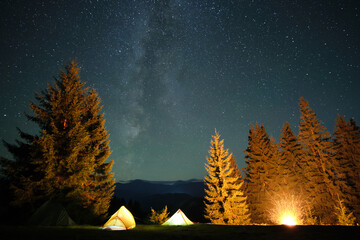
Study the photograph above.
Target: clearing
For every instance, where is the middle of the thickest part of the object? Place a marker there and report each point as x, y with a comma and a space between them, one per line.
196, 231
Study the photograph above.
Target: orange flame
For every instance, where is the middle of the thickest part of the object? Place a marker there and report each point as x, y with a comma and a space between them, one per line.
288, 220
286, 209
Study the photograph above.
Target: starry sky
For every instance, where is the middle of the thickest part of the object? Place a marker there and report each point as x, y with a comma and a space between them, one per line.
170, 72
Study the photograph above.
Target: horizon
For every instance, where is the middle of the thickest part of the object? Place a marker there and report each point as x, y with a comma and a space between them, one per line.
161, 181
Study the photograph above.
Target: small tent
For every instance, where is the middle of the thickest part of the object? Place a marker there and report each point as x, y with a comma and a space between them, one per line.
178, 218
121, 220
51, 213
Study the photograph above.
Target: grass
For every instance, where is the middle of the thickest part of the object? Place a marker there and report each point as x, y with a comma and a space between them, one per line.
197, 231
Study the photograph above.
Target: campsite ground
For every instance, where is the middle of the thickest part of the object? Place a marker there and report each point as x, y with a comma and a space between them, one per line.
197, 231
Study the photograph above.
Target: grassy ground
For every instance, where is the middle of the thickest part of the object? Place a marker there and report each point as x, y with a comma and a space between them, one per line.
197, 231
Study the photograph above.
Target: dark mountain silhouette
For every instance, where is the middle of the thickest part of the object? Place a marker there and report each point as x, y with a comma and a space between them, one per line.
141, 188
186, 195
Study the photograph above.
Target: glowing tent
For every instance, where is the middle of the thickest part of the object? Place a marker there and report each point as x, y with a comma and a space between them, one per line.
121, 220
178, 218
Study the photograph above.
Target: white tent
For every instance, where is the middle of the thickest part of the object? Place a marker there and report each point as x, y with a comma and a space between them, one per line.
121, 220
178, 218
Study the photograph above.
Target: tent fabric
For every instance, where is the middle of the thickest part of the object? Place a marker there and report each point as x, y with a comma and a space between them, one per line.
114, 228
51, 213
179, 218
121, 220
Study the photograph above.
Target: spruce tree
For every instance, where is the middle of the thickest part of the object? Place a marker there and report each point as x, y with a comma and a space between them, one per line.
225, 202
285, 188
347, 147
320, 187
259, 167
344, 216
291, 165
236, 173
19, 169
66, 160
159, 217
236, 207
274, 169
101, 178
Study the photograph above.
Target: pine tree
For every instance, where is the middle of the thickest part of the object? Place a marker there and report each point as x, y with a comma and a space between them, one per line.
284, 192
319, 156
225, 202
66, 161
19, 169
291, 165
159, 217
344, 216
274, 170
258, 172
101, 178
236, 207
347, 147
236, 172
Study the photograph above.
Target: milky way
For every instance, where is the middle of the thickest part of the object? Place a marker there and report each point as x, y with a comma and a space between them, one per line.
170, 72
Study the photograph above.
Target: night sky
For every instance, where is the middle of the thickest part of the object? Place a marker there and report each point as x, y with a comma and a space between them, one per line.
170, 72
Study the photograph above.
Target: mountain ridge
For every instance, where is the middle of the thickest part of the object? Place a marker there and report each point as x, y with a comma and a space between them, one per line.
141, 188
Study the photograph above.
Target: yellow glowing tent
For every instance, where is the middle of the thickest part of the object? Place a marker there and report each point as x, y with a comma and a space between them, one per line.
178, 218
121, 220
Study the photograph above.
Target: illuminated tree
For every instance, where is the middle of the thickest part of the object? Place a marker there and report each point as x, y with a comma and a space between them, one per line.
290, 161
159, 217
66, 160
319, 171
101, 183
236, 171
258, 173
347, 147
236, 207
344, 216
275, 170
225, 202
284, 199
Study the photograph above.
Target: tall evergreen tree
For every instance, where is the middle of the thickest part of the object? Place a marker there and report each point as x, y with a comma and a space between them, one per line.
258, 178
275, 169
347, 147
236, 173
16, 171
319, 155
225, 202
285, 188
101, 178
66, 161
236, 207
291, 165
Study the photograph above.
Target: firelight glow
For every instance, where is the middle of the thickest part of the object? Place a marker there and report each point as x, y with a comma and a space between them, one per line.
288, 220
287, 209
